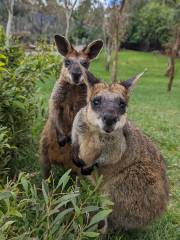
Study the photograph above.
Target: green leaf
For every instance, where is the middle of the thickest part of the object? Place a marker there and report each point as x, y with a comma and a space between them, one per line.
24, 182
99, 217
44, 186
5, 195
6, 225
61, 215
14, 212
64, 179
90, 209
90, 234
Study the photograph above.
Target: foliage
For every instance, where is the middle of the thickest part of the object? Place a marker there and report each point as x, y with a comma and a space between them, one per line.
151, 26
53, 211
81, 29
2, 36
19, 103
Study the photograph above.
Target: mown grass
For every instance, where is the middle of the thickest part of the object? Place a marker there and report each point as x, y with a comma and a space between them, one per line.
157, 113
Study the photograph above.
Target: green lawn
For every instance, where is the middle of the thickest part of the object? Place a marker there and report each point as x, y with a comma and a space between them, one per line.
157, 113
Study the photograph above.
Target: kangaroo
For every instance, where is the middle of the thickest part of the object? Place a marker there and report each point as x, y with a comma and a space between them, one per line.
68, 96
133, 170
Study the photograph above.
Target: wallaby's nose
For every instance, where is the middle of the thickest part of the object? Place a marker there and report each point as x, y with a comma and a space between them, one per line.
76, 76
109, 119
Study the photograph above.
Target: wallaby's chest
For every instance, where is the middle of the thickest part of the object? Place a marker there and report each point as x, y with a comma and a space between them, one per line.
74, 100
112, 148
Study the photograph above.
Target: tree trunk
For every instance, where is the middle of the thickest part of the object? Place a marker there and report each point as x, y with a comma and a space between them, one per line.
116, 57
115, 66
107, 55
10, 7
172, 59
171, 72
68, 17
107, 63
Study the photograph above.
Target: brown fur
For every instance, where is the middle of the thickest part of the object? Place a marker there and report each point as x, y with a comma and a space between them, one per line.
65, 101
133, 170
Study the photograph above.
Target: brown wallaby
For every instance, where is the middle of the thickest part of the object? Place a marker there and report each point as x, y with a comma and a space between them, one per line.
68, 96
133, 170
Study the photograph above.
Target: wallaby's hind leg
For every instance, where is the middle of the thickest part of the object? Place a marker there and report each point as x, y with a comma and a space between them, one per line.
44, 158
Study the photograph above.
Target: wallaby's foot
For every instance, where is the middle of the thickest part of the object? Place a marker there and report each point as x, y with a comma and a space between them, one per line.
103, 227
46, 169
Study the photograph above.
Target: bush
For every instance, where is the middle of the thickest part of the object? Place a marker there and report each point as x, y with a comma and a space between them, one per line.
53, 211
151, 26
2, 36
19, 102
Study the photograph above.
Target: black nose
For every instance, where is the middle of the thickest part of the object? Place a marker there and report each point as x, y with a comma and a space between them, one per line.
76, 77
109, 119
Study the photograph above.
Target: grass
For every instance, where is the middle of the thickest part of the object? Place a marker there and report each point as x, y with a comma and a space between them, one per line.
157, 113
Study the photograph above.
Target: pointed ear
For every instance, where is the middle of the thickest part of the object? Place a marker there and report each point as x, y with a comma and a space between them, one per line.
63, 45
131, 82
89, 79
93, 49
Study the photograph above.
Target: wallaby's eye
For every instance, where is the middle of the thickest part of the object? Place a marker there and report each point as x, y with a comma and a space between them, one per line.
122, 105
84, 64
67, 62
96, 102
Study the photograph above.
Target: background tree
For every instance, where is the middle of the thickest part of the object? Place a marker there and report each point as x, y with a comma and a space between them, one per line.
115, 29
150, 27
9, 4
87, 21
173, 44
69, 6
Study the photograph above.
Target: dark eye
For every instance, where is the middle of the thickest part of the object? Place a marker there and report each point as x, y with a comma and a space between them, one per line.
84, 64
96, 102
122, 105
67, 62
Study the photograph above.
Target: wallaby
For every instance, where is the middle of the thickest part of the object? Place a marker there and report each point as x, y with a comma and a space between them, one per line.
133, 170
68, 96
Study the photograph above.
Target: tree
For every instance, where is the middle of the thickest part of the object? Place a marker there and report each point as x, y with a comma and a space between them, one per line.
173, 45
87, 27
114, 28
69, 6
10, 8
150, 26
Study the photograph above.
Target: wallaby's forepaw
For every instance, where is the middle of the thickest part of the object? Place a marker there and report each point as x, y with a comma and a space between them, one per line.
88, 170
62, 141
75, 157
103, 227
68, 139
78, 162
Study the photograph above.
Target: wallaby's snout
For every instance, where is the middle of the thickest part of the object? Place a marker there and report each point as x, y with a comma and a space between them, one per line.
109, 121
76, 74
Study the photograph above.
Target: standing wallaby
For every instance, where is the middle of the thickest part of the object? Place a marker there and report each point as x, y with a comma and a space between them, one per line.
68, 96
133, 170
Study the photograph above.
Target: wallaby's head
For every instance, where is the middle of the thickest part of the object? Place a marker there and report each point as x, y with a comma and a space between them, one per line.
72, 58
107, 104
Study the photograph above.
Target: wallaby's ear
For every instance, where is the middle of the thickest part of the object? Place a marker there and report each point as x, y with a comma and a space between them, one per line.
93, 49
63, 45
131, 82
89, 78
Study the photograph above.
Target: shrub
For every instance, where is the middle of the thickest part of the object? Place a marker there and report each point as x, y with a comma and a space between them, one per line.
151, 26
19, 101
2, 36
53, 211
